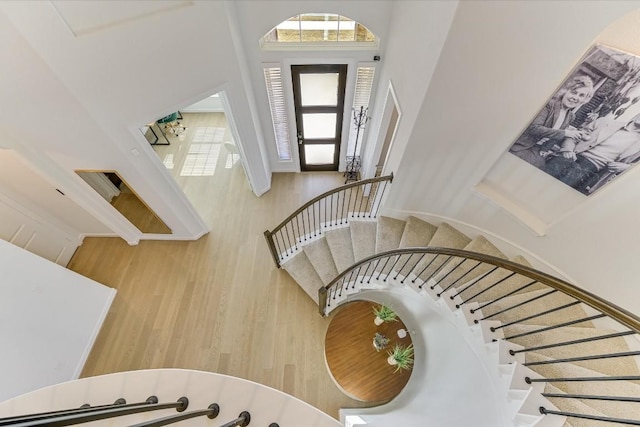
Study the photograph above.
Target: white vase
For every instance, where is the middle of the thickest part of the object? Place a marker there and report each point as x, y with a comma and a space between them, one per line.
391, 361
378, 321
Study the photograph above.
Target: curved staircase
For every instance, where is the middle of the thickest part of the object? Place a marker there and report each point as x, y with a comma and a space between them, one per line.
532, 327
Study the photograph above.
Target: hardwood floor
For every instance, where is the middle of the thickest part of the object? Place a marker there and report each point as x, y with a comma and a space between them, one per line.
217, 304
361, 371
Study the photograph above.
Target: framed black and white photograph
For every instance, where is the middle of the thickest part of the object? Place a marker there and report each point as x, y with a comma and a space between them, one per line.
588, 133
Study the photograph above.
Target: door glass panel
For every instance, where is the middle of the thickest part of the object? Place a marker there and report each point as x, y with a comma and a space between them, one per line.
319, 125
319, 154
319, 89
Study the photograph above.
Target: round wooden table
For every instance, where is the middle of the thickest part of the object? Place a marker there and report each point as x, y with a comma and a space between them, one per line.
362, 372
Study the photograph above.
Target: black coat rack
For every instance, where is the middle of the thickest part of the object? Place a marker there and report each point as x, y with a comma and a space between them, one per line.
360, 118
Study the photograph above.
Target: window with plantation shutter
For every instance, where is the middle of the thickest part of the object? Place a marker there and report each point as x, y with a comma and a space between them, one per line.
364, 83
275, 92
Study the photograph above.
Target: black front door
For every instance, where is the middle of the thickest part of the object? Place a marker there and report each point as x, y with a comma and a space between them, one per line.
318, 93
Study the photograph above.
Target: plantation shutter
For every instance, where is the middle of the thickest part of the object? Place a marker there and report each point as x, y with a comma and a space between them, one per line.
364, 83
275, 92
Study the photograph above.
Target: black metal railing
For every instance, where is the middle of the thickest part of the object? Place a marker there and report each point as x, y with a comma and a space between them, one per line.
481, 285
623, 421
86, 413
333, 208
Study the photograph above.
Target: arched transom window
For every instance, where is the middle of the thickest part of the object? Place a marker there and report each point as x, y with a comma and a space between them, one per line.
319, 29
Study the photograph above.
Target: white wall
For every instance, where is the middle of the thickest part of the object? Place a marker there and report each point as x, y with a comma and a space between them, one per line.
49, 320
27, 187
500, 63
85, 77
417, 32
50, 234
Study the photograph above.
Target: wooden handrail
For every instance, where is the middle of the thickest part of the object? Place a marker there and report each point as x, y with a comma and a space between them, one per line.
329, 193
269, 234
617, 313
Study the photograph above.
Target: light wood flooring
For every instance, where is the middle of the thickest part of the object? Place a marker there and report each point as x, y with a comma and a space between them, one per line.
217, 304
197, 157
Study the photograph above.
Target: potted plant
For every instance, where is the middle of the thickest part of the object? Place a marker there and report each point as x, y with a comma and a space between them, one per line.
384, 314
401, 357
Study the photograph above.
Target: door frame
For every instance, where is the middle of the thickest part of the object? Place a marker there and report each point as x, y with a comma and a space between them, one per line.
299, 111
390, 103
287, 82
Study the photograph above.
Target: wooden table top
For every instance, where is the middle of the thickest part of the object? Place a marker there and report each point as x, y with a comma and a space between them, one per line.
362, 372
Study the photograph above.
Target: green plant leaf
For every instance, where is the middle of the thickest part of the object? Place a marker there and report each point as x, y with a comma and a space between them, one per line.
402, 355
385, 313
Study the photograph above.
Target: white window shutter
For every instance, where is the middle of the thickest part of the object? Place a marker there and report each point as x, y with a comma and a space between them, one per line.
275, 92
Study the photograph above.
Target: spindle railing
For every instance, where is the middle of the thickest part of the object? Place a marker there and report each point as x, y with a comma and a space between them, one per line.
333, 208
475, 282
86, 414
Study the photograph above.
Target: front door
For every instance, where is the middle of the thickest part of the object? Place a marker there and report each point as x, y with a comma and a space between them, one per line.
318, 93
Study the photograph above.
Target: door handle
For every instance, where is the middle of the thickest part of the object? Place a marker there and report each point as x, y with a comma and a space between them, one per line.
300, 139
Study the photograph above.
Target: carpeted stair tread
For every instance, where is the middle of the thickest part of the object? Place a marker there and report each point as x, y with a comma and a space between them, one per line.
494, 284
519, 259
388, 233
611, 367
540, 305
572, 370
482, 245
448, 237
301, 270
606, 346
508, 283
417, 233
520, 280
445, 237
566, 333
627, 410
339, 242
320, 256
466, 271
363, 238
577, 407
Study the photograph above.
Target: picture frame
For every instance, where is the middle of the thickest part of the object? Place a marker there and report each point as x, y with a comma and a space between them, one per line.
588, 133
